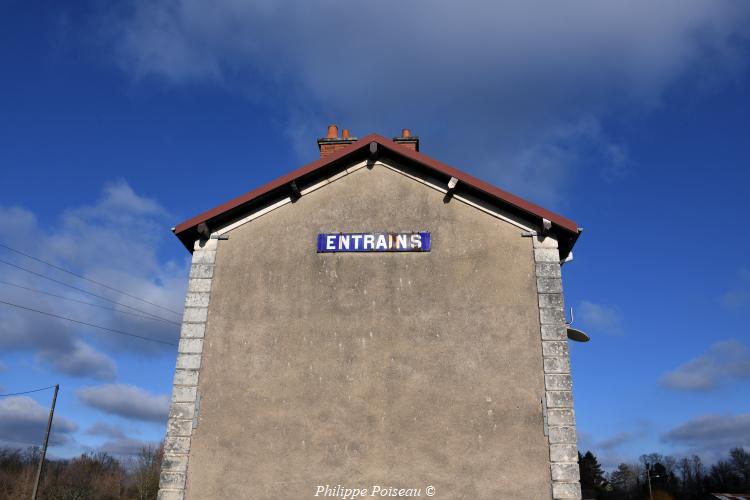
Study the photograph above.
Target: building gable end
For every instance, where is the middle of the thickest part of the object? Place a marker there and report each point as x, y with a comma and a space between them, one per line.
373, 148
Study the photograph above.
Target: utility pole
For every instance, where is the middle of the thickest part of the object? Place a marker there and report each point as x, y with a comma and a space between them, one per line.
44, 448
648, 476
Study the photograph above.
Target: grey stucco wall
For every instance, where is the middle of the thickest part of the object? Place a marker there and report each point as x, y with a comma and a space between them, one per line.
372, 369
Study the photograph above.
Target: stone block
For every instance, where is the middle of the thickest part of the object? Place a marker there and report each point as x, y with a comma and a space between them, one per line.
558, 382
176, 444
549, 285
199, 285
205, 245
559, 399
554, 332
547, 255
544, 241
548, 270
191, 361
183, 394
551, 300
191, 346
186, 377
551, 316
204, 257
563, 453
195, 315
562, 435
179, 427
201, 271
565, 472
560, 416
197, 299
193, 330
174, 463
553, 348
172, 480
566, 491
182, 410
560, 364
171, 495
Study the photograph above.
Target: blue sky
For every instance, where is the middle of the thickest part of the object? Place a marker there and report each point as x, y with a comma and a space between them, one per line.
120, 120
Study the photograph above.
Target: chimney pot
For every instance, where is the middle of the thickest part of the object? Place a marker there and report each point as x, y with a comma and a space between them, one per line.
332, 143
407, 140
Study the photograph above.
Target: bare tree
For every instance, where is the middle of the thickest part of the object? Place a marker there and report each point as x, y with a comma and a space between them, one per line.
146, 472
740, 461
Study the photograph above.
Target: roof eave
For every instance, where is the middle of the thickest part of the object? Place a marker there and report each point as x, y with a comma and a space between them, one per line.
564, 229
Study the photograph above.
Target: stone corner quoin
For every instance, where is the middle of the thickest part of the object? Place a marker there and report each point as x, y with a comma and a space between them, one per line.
183, 409
558, 383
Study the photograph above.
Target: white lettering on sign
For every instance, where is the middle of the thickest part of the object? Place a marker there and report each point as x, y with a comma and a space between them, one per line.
331, 242
374, 242
416, 241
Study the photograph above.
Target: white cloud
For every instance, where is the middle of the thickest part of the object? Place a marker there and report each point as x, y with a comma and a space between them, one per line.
724, 361
504, 85
126, 401
105, 429
711, 436
82, 361
599, 318
117, 442
613, 450
619, 439
115, 241
23, 422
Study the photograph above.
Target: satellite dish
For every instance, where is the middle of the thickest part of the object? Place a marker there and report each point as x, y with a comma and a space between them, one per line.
577, 335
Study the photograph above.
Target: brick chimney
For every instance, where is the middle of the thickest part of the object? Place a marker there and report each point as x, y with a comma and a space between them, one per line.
332, 143
407, 140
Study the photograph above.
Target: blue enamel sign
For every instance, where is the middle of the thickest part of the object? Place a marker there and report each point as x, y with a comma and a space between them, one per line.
373, 242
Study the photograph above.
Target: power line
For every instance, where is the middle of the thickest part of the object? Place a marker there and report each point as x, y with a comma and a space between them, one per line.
119, 332
27, 392
81, 290
88, 279
155, 318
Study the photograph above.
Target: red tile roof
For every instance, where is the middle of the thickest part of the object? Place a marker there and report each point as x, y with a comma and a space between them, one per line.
565, 229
